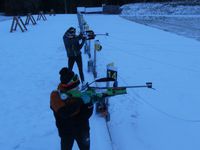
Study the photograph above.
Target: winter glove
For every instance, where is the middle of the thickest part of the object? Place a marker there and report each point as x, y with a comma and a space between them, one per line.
85, 97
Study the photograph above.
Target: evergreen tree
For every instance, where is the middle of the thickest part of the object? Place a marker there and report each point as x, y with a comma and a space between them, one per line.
21, 7
2, 4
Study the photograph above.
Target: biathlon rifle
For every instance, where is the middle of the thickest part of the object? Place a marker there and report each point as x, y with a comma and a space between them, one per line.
90, 35
94, 94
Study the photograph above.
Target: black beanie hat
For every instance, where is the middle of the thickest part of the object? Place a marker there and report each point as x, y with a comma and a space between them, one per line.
71, 29
66, 75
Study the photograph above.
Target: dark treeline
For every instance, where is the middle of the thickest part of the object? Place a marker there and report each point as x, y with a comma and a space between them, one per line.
2, 8
20, 7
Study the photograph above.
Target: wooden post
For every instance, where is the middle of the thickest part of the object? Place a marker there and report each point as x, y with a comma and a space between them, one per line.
111, 73
97, 47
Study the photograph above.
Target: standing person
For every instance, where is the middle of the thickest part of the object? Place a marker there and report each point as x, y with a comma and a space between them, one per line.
73, 48
71, 113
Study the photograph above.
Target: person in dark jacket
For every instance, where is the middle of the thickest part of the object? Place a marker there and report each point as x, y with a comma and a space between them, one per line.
73, 48
71, 113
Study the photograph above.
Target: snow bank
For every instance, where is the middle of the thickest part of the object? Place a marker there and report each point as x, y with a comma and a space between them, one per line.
161, 9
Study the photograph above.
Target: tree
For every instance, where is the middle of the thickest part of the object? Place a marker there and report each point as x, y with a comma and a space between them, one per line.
21, 7
57, 5
2, 4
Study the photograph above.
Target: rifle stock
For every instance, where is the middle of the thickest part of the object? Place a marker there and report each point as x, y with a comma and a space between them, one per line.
94, 94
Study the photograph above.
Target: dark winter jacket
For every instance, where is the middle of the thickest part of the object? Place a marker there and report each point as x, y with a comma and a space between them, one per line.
71, 115
72, 45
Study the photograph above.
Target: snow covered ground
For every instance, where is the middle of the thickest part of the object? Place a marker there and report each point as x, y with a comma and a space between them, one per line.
191, 7
30, 63
163, 119
177, 17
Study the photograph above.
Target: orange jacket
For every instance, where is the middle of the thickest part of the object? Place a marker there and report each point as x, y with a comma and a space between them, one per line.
71, 115
72, 105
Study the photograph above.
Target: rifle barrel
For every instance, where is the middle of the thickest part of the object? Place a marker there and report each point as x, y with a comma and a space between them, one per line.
137, 86
104, 34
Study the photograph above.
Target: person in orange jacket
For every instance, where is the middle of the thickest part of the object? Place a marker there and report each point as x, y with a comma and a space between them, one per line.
71, 113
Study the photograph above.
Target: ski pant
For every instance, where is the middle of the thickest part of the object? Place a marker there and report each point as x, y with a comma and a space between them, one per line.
82, 139
78, 60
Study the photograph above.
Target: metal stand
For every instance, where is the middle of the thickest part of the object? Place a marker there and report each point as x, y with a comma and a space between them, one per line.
29, 18
17, 21
41, 15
